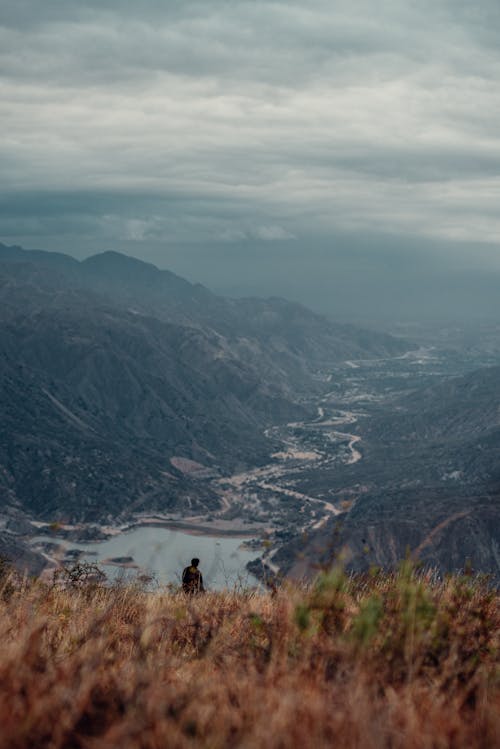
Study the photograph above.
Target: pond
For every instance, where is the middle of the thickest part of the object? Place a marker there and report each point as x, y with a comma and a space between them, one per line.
164, 552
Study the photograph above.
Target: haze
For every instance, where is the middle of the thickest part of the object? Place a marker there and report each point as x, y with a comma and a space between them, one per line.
346, 158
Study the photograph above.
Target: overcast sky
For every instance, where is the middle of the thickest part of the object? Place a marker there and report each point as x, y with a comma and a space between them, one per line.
158, 124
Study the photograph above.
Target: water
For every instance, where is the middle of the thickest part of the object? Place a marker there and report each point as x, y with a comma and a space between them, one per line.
165, 552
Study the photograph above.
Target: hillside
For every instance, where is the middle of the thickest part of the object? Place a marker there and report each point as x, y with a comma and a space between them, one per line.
400, 661
459, 409
430, 478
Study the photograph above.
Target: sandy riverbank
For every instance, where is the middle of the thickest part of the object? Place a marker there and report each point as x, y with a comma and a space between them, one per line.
195, 527
83, 533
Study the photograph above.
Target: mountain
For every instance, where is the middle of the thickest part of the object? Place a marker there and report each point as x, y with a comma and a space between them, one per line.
431, 484
114, 374
279, 338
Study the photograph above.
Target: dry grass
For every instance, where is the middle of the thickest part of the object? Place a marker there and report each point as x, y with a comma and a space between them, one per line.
388, 661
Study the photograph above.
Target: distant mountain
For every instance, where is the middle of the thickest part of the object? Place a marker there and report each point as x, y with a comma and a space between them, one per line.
111, 371
272, 334
431, 484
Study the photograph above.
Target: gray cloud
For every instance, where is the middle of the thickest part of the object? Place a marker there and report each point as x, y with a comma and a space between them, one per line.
222, 121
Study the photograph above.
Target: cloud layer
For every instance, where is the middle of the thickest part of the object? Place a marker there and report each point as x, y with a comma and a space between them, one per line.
224, 121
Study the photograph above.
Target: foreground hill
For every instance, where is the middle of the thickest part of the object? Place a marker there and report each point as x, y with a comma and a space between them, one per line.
122, 385
380, 662
430, 479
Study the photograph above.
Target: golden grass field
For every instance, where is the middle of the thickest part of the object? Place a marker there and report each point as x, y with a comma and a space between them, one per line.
376, 661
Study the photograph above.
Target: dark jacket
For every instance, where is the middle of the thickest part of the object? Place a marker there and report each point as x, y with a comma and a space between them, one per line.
192, 580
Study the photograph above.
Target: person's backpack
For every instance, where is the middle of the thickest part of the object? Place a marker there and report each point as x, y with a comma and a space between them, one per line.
191, 580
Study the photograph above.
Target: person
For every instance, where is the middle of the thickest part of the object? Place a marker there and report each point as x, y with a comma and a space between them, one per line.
192, 579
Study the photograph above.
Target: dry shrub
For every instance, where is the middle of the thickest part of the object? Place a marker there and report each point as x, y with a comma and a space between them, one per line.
397, 661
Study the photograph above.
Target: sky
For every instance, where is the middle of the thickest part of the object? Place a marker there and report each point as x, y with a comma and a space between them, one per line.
256, 146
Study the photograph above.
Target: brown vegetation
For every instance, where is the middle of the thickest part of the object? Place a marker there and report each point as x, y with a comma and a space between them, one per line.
374, 661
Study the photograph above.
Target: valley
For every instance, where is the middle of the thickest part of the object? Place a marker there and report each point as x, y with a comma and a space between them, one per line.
321, 470
130, 397
328, 464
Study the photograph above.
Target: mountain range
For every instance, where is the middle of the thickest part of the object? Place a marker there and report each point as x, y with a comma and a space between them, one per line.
122, 385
